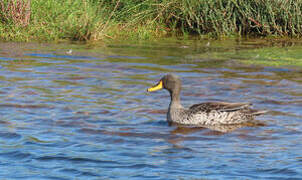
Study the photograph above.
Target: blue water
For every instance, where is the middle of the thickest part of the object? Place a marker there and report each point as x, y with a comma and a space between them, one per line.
87, 115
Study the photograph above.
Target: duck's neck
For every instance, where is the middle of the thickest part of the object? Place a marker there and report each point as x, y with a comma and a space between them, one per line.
175, 100
174, 108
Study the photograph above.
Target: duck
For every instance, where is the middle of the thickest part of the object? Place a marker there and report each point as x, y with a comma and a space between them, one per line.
205, 113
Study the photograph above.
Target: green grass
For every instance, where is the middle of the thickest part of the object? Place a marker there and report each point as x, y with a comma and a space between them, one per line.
88, 20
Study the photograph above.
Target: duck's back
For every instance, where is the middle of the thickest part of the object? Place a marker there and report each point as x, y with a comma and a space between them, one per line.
218, 113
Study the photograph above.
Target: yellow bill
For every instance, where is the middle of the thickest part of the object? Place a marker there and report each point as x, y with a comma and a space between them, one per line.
156, 87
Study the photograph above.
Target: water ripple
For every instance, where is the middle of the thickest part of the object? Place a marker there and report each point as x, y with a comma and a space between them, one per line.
61, 56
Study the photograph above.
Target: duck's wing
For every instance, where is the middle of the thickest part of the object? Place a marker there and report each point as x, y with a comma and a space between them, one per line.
219, 106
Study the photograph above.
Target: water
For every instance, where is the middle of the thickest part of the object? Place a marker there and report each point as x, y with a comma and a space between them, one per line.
86, 114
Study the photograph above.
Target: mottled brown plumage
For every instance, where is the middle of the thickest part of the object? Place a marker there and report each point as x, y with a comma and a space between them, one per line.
203, 114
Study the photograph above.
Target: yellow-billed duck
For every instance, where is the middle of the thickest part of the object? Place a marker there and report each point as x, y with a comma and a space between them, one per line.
207, 113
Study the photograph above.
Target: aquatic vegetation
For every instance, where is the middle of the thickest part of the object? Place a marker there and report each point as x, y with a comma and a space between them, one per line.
274, 56
213, 53
15, 12
269, 56
89, 20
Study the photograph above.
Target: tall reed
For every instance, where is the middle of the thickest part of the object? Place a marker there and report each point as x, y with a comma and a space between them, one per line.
15, 11
97, 19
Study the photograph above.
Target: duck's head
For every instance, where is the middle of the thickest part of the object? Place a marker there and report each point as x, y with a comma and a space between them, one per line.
170, 82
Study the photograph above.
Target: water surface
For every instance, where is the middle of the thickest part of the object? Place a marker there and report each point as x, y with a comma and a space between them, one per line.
86, 114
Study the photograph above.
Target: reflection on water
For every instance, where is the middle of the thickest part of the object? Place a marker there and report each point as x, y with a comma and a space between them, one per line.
86, 114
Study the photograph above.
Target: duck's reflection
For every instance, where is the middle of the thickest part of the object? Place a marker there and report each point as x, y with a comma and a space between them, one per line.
216, 129
180, 133
176, 135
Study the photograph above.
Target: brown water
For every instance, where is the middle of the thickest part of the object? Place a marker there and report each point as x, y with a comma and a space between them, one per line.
86, 114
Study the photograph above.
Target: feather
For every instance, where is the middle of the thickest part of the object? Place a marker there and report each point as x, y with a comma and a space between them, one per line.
219, 106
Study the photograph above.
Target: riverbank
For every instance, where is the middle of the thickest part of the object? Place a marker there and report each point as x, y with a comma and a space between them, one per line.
90, 20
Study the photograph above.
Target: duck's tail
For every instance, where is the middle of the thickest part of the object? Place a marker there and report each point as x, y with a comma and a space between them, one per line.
259, 112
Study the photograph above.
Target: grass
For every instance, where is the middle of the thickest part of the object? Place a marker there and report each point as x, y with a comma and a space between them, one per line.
90, 20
